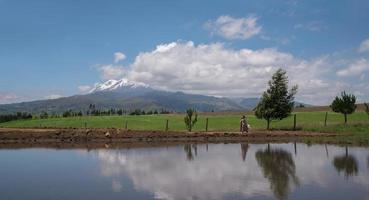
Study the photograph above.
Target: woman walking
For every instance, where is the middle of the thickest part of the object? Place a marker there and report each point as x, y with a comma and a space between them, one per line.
243, 125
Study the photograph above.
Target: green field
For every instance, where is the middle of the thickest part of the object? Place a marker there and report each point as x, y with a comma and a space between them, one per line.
309, 121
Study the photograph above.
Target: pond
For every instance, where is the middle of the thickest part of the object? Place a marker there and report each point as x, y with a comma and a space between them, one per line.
188, 171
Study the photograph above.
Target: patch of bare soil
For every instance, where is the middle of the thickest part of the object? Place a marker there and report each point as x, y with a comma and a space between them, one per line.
100, 137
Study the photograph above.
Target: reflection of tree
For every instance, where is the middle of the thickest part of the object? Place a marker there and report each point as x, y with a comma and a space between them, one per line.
244, 148
188, 150
279, 167
346, 163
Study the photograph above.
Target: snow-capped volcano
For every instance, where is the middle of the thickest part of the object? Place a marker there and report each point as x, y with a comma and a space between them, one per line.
112, 85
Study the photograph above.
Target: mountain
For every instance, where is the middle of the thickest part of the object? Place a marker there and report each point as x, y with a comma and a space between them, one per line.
247, 103
250, 103
127, 95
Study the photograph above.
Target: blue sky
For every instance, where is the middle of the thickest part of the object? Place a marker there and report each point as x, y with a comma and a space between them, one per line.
52, 48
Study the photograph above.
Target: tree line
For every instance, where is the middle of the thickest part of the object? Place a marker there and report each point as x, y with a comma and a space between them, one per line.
16, 116
94, 111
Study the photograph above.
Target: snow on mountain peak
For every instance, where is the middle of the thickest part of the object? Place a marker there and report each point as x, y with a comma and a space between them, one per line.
111, 85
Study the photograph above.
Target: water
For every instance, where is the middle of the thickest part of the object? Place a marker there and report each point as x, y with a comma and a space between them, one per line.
214, 171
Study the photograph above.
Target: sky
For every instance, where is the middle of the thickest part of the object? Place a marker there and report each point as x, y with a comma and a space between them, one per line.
51, 48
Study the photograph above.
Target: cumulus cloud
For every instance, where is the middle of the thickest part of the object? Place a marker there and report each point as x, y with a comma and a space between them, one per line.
111, 71
216, 70
234, 28
213, 69
364, 46
355, 69
119, 56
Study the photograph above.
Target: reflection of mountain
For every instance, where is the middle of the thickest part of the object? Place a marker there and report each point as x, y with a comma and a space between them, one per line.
346, 163
278, 167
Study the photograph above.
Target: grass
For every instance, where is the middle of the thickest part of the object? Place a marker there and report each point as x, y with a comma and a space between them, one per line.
358, 123
313, 120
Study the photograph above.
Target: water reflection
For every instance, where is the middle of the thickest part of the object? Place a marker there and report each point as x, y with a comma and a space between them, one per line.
244, 148
279, 168
213, 175
188, 150
346, 163
216, 171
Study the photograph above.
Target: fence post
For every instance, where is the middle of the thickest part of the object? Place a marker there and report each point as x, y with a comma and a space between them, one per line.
294, 122
167, 125
325, 120
206, 126
126, 125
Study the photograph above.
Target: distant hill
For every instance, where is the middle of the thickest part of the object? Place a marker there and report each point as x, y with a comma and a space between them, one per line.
128, 95
247, 103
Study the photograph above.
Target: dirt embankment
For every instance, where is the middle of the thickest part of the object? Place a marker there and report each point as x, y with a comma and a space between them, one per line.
104, 136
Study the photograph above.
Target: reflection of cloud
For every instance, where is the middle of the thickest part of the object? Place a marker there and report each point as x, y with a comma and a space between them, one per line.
167, 174
116, 186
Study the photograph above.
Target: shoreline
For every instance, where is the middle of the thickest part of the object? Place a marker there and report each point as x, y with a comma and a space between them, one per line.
102, 136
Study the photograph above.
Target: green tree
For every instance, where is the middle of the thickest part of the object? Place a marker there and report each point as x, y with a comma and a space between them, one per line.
44, 115
277, 102
366, 108
344, 104
190, 118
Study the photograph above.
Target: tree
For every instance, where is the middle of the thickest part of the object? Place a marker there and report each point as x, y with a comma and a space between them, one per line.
120, 112
188, 119
277, 102
344, 104
366, 108
44, 115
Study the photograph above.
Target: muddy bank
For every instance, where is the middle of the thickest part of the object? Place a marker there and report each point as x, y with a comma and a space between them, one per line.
42, 137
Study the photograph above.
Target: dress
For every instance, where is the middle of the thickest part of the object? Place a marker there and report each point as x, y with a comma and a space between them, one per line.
243, 125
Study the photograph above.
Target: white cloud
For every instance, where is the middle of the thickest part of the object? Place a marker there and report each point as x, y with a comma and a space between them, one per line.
213, 69
313, 26
84, 88
234, 28
119, 56
364, 46
111, 71
53, 96
355, 69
